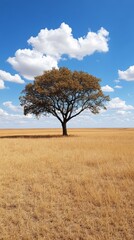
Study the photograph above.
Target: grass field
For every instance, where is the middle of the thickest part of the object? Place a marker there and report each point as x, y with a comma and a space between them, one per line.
79, 187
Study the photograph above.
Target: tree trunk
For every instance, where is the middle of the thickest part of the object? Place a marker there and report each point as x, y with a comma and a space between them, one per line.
64, 128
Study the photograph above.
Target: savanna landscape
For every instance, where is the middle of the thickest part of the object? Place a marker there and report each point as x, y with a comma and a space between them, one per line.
78, 187
67, 120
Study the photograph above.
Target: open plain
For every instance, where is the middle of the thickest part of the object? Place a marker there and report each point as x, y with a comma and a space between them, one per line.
78, 187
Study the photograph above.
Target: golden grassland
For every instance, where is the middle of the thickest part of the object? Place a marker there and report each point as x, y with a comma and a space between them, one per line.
79, 187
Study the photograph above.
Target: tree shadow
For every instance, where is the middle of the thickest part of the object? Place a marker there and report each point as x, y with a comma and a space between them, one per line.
32, 136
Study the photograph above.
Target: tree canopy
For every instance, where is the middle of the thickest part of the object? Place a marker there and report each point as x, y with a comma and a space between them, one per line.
64, 94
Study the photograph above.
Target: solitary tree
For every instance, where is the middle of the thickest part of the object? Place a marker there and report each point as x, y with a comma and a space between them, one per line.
64, 94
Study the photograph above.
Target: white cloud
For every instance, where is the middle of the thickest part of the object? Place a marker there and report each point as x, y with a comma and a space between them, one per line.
6, 76
6, 117
127, 75
61, 41
117, 86
3, 113
50, 45
31, 63
2, 86
116, 80
115, 117
107, 88
123, 112
12, 107
119, 104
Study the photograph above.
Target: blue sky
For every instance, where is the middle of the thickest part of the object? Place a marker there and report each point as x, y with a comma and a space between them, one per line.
93, 36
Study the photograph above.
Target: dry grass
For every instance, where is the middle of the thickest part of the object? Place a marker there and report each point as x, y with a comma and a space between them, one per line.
73, 188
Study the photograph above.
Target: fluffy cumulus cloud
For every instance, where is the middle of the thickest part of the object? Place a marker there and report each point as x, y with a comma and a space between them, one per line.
119, 104
31, 63
49, 46
14, 119
2, 86
127, 75
12, 107
123, 112
61, 41
3, 113
107, 88
6, 76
